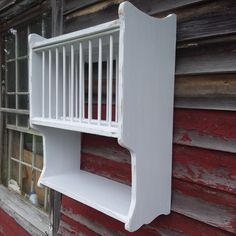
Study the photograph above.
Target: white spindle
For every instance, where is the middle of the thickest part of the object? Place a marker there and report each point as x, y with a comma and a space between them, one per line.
76, 85
117, 84
64, 82
81, 88
90, 87
49, 83
72, 83
99, 80
107, 92
57, 68
43, 84
110, 79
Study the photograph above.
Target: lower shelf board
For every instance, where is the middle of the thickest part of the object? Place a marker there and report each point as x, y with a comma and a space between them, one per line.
85, 127
107, 196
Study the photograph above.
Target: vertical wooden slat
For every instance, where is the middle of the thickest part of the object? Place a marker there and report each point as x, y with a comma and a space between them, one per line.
76, 85
90, 83
21, 153
64, 82
107, 91
99, 81
57, 96
116, 94
43, 84
69, 87
9, 154
49, 83
72, 84
33, 163
110, 79
81, 88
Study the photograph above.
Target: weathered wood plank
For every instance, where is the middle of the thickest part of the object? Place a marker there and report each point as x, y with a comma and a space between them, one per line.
196, 19
212, 19
195, 138
21, 17
197, 203
34, 221
180, 225
213, 123
205, 86
18, 8
204, 59
205, 167
211, 103
73, 5
203, 204
8, 225
191, 164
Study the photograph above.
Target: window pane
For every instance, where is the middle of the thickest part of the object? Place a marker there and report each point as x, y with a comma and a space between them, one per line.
23, 102
23, 120
11, 119
22, 41
11, 82
36, 26
10, 45
11, 101
23, 75
47, 25
15, 145
14, 171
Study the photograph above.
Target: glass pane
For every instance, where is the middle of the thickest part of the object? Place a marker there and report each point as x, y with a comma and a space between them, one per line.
23, 120
36, 26
47, 25
11, 101
11, 119
15, 145
23, 75
39, 191
11, 82
28, 142
10, 45
22, 42
14, 171
39, 145
23, 102
26, 179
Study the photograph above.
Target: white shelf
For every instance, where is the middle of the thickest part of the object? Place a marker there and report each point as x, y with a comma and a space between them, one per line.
107, 196
84, 127
120, 76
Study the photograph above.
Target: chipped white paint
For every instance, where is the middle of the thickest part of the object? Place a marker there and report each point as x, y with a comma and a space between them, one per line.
145, 48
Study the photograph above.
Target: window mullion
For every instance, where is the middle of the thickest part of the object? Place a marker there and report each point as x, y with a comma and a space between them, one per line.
16, 73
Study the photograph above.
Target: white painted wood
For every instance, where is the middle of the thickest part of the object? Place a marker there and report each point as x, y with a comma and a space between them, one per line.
100, 82
107, 196
146, 77
110, 80
90, 88
144, 56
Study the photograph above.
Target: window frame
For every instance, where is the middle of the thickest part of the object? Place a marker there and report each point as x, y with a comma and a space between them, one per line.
11, 202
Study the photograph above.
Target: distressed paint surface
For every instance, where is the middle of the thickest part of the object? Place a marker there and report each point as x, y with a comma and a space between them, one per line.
8, 226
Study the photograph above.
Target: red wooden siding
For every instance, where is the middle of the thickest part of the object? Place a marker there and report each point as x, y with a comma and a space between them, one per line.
204, 181
204, 148
9, 227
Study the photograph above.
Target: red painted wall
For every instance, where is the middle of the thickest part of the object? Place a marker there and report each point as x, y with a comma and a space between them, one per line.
9, 227
203, 186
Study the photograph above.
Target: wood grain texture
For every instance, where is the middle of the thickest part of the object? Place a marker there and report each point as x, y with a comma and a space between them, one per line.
189, 200
209, 86
210, 168
8, 226
205, 59
196, 19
